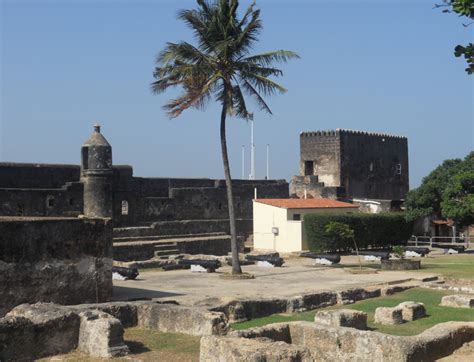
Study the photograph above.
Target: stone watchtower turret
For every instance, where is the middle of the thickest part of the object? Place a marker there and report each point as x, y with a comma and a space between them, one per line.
96, 175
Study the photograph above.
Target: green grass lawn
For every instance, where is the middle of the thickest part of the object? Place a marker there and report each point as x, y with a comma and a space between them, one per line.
451, 266
147, 346
431, 299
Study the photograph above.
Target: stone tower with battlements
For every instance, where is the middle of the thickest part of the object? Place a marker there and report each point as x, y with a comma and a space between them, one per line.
352, 165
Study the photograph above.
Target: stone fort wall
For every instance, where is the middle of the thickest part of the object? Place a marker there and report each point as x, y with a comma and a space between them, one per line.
60, 260
56, 190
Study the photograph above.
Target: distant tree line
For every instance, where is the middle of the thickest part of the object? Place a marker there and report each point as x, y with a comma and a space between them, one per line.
447, 192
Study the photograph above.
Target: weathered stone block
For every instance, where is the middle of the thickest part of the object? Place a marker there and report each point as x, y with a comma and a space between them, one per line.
101, 335
231, 349
353, 295
180, 319
412, 311
458, 301
385, 315
342, 318
38, 330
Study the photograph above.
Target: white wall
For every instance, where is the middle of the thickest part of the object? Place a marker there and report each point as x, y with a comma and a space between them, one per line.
291, 236
289, 233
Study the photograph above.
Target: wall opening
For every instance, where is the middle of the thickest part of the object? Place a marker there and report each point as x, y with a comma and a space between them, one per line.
85, 158
297, 217
124, 207
50, 201
398, 169
308, 168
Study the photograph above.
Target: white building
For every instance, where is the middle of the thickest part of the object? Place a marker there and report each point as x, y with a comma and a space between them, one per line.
278, 223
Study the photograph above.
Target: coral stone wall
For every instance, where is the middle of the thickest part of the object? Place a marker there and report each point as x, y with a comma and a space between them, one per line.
56, 190
374, 166
352, 164
60, 260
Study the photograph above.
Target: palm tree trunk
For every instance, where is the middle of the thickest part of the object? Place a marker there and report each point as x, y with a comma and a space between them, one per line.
230, 199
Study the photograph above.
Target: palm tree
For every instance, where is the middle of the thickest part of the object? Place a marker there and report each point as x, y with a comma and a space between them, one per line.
220, 67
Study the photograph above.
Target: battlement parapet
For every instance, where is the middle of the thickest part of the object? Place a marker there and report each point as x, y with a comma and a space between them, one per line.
340, 131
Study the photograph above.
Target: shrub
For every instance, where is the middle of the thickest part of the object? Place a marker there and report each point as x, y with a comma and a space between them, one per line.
370, 230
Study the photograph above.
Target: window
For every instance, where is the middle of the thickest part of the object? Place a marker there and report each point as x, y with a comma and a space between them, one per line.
50, 201
308, 168
124, 207
398, 169
371, 167
296, 217
71, 201
20, 211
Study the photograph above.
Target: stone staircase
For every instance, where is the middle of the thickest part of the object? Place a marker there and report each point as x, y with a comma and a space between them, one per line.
136, 244
164, 238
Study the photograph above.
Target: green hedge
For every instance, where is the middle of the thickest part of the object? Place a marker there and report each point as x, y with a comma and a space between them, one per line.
371, 230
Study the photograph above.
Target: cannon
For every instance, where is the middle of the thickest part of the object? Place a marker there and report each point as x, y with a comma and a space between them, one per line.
417, 249
127, 273
333, 258
270, 258
382, 254
175, 267
210, 265
458, 248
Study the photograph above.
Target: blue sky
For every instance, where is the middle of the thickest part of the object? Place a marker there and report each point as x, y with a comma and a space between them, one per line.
376, 65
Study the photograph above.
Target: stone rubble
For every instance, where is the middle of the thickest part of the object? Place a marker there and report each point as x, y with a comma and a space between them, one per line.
388, 316
458, 301
342, 318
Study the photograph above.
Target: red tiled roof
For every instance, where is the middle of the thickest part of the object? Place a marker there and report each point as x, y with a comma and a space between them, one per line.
306, 203
443, 222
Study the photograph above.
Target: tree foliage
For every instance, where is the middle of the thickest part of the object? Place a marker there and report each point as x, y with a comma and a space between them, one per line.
464, 8
220, 66
458, 198
446, 192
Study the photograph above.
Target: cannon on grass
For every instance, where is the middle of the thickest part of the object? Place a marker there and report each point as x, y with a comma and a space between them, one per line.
126, 273
273, 259
333, 258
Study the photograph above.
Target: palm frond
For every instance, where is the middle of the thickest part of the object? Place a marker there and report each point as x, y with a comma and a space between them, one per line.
238, 101
246, 67
182, 52
258, 98
268, 58
264, 85
197, 92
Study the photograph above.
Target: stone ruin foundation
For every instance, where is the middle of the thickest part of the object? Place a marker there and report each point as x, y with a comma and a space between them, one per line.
31, 331
307, 341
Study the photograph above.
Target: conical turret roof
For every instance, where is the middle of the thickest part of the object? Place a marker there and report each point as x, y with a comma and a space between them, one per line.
97, 139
